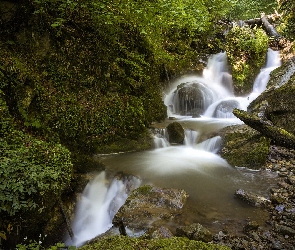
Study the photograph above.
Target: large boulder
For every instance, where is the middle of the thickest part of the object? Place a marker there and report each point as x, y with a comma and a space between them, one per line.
176, 133
244, 147
149, 206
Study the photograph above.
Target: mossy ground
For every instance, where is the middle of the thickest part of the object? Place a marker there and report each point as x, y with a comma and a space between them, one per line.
175, 243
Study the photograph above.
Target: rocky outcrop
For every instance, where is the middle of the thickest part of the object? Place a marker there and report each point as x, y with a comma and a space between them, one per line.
176, 133
148, 206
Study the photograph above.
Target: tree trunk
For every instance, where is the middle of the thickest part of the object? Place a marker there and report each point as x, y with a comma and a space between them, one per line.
279, 136
270, 29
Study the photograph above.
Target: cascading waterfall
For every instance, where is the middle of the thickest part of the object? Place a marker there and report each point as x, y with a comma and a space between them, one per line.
98, 205
161, 139
202, 105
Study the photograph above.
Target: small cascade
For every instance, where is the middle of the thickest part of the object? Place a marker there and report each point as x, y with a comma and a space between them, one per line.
98, 205
211, 145
223, 108
161, 138
190, 137
217, 72
273, 61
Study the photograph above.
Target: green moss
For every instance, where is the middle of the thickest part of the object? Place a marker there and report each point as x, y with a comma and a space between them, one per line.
175, 243
244, 147
246, 50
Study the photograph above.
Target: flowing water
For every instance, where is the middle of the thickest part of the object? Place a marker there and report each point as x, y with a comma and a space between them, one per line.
195, 166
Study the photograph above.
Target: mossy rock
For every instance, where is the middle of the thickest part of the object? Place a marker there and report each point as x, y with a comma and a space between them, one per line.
244, 147
149, 205
175, 243
176, 133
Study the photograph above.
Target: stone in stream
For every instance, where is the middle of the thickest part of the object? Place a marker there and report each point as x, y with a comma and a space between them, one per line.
176, 133
252, 199
149, 207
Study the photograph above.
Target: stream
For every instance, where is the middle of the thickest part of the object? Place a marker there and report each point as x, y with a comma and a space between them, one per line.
195, 166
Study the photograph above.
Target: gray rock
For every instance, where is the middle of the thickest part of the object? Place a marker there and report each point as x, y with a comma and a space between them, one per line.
252, 199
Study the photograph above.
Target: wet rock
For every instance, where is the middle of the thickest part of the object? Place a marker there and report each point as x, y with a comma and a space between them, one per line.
194, 232
291, 180
147, 206
176, 133
225, 108
192, 99
252, 199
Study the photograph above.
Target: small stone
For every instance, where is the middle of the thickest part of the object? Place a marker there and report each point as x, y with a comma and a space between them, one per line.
195, 232
251, 226
284, 230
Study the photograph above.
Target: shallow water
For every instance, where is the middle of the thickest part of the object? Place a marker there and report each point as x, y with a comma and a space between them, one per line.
207, 178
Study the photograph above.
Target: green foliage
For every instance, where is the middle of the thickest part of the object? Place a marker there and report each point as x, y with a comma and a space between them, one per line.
246, 50
31, 171
175, 243
248, 9
287, 8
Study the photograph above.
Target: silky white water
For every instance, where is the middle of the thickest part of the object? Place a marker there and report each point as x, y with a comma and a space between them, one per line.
195, 166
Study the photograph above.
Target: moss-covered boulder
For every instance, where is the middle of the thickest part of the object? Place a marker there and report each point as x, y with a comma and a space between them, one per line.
147, 206
244, 147
176, 133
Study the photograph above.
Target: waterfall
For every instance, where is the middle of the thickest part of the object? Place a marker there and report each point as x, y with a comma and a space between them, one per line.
273, 61
193, 95
161, 139
202, 105
190, 137
211, 145
98, 205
